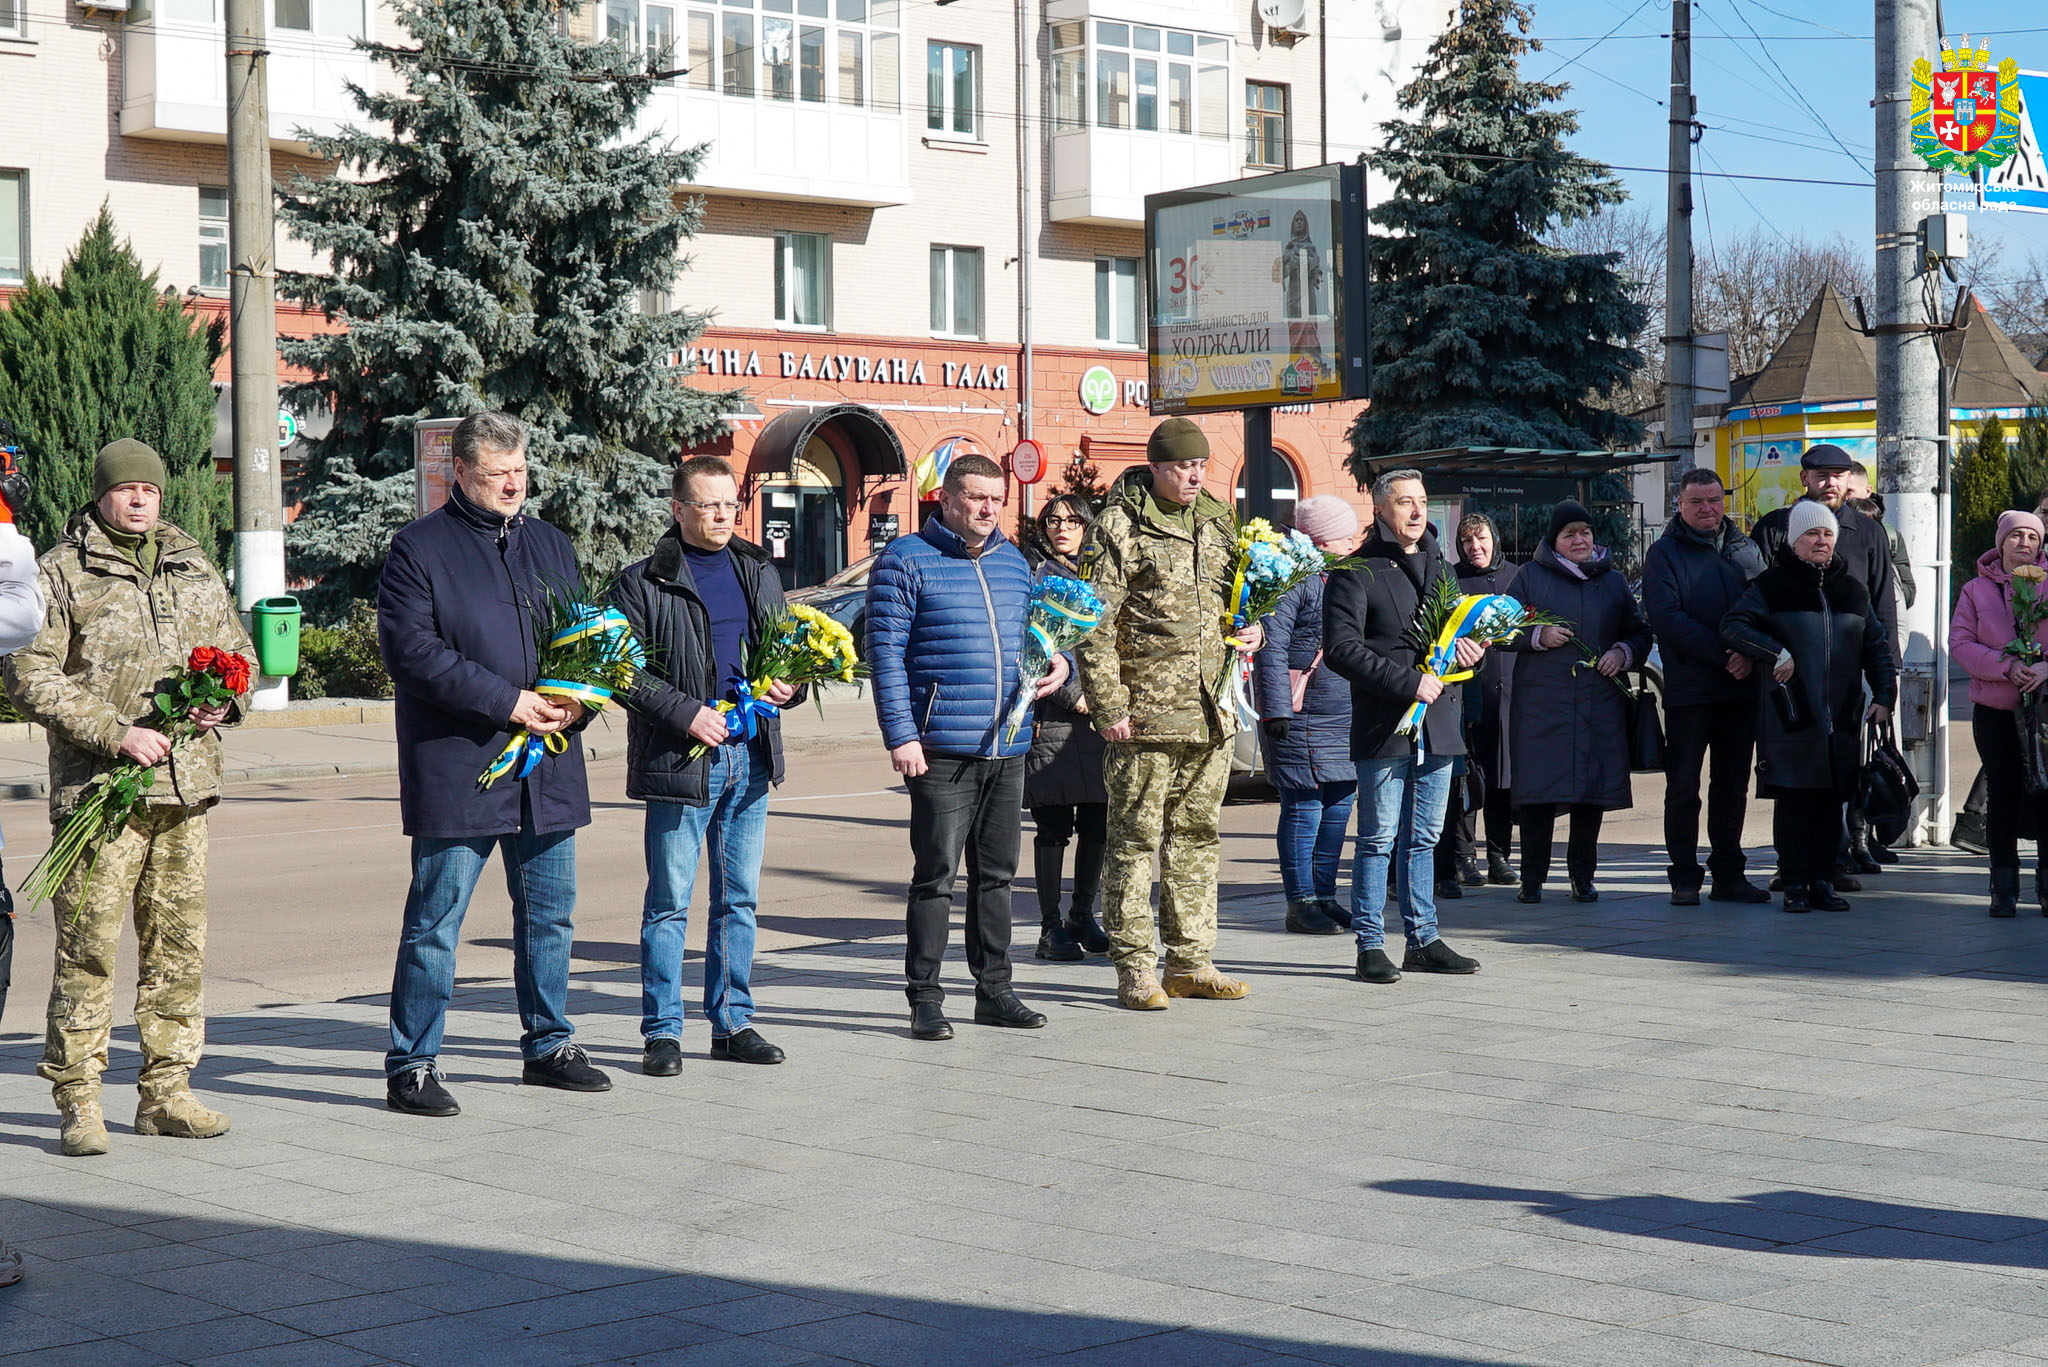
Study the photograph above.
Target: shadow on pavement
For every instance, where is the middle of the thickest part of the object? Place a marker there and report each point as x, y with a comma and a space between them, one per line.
112, 1286
1817, 1224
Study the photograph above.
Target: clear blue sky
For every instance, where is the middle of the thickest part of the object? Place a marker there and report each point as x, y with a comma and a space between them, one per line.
1756, 122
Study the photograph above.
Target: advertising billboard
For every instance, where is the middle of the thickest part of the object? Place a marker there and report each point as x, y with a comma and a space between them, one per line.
1257, 292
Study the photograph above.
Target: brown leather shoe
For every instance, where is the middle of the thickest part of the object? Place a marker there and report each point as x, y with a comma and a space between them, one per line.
1137, 989
1206, 982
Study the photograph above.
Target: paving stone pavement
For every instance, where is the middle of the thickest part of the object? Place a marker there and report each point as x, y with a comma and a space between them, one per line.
1641, 1135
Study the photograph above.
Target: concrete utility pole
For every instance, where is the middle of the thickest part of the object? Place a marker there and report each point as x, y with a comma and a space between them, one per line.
1910, 458
252, 236
1678, 356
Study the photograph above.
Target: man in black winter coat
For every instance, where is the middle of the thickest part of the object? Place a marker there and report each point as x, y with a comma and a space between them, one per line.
455, 622
1691, 577
698, 606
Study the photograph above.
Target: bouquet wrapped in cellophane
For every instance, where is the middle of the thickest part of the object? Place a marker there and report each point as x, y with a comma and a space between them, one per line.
1449, 615
587, 654
2029, 610
799, 645
1270, 564
1062, 611
211, 677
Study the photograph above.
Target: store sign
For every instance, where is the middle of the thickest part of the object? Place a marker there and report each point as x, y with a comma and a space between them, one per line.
1027, 461
1258, 292
1098, 389
852, 368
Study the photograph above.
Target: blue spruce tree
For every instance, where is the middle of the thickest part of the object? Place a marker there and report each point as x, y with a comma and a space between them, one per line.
491, 233
1483, 333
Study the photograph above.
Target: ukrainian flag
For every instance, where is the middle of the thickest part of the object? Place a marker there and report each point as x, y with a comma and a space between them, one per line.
930, 470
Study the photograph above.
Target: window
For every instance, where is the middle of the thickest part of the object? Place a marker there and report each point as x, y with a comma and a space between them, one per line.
803, 280
1265, 125
956, 291
292, 14
1151, 80
1116, 300
952, 89
12, 17
661, 41
213, 237
13, 226
1069, 77
843, 57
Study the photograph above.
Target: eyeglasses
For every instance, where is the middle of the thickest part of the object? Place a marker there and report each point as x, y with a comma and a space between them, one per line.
723, 505
1064, 521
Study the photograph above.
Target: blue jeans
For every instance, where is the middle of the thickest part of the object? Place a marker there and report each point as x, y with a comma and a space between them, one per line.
1400, 816
1313, 824
540, 873
734, 824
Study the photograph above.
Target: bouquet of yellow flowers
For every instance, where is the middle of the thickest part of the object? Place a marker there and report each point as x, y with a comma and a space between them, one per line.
800, 645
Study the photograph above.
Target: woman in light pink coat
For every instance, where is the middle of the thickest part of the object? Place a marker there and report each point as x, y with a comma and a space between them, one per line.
1983, 626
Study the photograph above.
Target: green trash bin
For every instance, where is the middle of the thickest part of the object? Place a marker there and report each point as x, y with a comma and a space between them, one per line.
275, 625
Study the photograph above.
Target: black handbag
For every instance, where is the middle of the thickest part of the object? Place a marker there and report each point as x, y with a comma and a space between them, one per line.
1645, 729
1887, 787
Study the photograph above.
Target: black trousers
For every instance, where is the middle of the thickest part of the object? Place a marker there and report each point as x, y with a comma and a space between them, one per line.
1806, 826
1461, 828
975, 806
1056, 825
1582, 848
1720, 737
2010, 811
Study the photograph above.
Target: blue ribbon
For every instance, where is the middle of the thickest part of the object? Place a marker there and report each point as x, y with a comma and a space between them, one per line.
744, 720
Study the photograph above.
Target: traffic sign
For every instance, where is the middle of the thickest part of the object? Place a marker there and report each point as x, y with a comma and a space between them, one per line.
1027, 461
287, 429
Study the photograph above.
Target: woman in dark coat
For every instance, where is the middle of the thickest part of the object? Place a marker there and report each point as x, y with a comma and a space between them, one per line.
1567, 718
1811, 623
1482, 569
1308, 748
1063, 784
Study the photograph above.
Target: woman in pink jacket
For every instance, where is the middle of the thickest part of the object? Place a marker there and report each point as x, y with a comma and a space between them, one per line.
1982, 628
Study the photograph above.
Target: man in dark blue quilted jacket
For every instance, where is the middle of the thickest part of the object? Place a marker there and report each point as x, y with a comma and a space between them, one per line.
946, 611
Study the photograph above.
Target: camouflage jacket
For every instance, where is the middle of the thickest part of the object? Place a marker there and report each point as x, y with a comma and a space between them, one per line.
1159, 648
111, 638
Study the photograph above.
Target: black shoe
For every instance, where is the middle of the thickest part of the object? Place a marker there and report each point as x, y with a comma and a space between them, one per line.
1499, 871
1860, 860
662, 1057
1825, 898
1529, 894
1306, 918
1777, 882
1055, 944
2005, 891
1846, 882
1969, 834
1085, 931
1586, 892
1340, 915
928, 1021
1375, 967
1468, 872
1796, 898
1737, 890
1437, 957
1685, 897
568, 1068
1447, 890
1883, 854
745, 1046
1008, 1010
418, 1091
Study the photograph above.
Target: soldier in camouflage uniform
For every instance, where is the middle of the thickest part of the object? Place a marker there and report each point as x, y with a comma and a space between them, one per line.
1161, 558
129, 597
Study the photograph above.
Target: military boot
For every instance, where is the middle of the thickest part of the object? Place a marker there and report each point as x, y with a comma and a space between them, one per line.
82, 1127
1137, 989
178, 1115
1207, 982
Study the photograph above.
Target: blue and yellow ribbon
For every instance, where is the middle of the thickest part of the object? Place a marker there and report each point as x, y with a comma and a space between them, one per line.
1442, 658
521, 754
524, 751
744, 717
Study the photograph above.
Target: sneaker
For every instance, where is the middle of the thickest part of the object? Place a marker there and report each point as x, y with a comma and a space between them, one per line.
418, 1091
568, 1068
1737, 890
10, 1266
1207, 982
1437, 957
1375, 967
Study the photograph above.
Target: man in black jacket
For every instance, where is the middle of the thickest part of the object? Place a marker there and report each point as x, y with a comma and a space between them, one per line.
1371, 637
1691, 577
702, 757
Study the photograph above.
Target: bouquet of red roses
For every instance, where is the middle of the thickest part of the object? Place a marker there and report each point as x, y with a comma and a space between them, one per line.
210, 679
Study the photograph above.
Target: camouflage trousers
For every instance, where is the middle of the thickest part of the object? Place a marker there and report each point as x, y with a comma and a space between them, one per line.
157, 861
1164, 798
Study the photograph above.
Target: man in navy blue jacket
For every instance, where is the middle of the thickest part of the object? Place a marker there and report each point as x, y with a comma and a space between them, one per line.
946, 613
455, 623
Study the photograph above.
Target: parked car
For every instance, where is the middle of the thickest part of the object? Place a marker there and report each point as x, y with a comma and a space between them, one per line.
843, 597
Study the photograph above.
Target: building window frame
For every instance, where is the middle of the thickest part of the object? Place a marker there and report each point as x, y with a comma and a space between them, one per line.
13, 18
798, 308
1119, 301
213, 239
949, 64
1268, 126
958, 292
816, 52
15, 271
1140, 78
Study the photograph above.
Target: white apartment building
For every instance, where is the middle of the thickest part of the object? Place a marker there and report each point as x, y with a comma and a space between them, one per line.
923, 217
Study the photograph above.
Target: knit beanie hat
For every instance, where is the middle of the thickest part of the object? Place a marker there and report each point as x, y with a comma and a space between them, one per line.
1562, 516
1807, 514
1326, 518
1176, 439
2015, 518
126, 461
